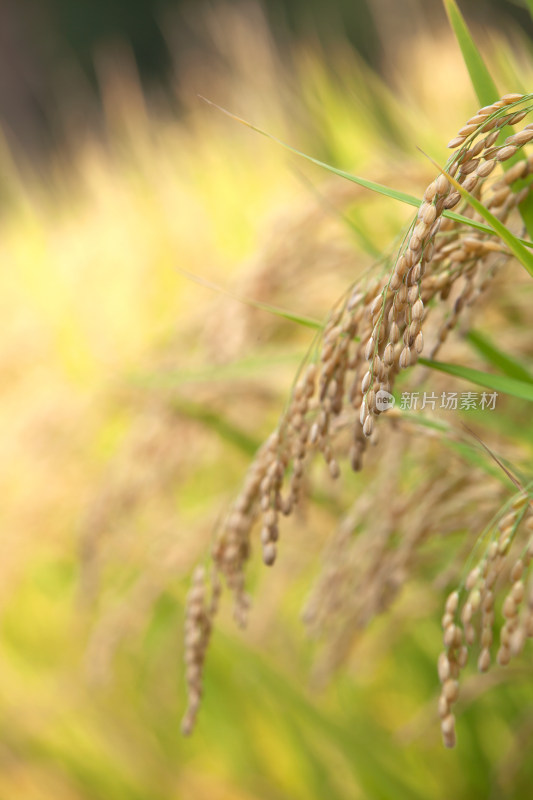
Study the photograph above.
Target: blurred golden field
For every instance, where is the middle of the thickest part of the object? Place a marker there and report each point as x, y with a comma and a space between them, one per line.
134, 398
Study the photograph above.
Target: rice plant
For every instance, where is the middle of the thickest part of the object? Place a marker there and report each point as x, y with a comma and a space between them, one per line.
344, 390
136, 399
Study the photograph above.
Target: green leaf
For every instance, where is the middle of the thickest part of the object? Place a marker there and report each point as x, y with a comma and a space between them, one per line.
449, 437
226, 429
394, 194
497, 383
481, 227
379, 188
529, 4
524, 256
300, 319
359, 231
242, 369
502, 361
483, 84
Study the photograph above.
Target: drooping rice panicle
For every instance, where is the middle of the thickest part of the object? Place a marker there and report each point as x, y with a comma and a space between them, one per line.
380, 328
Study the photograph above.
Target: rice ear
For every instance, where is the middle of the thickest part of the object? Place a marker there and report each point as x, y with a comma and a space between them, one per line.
376, 330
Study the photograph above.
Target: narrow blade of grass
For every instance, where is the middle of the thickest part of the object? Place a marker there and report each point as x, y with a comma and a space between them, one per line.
529, 4
394, 194
497, 383
359, 231
524, 256
379, 188
450, 438
226, 429
483, 84
241, 369
502, 361
300, 319
494, 457
481, 227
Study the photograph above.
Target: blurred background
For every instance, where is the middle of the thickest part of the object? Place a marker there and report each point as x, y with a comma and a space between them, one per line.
133, 397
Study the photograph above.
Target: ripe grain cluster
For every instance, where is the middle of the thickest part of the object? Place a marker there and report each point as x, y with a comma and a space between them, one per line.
379, 328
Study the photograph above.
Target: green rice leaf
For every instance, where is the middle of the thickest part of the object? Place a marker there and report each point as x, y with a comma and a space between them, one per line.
226, 429
242, 369
379, 188
300, 319
359, 231
497, 383
481, 227
450, 438
502, 361
394, 194
524, 256
483, 84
